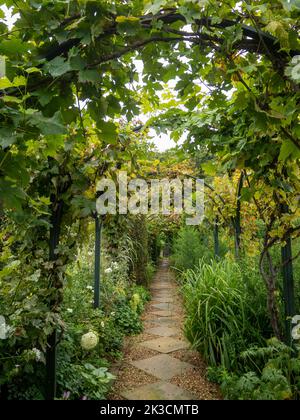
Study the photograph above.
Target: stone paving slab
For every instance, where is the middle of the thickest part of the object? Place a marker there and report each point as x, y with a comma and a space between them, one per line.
165, 344
162, 313
165, 306
163, 331
163, 320
162, 280
163, 299
165, 291
162, 285
158, 391
163, 324
162, 366
150, 323
160, 296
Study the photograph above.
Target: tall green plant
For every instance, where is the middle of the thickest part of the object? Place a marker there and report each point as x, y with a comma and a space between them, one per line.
188, 248
272, 373
221, 317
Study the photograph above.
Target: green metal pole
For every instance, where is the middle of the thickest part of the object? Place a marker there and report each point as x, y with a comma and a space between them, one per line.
288, 281
51, 366
52, 339
216, 237
237, 240
288, 288
237, 222
97, 262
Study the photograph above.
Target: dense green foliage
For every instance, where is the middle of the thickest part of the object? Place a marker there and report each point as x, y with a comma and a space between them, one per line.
69, 105
275, 374
189, 247
81, 373
226, 310
228, 322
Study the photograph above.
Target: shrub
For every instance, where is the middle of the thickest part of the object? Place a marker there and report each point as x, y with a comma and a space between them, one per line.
138, 233
83, 381
126, 318
271, 385
276, 375
143, 296
276, 255
221, 318
92, 337
188, 249
149, 272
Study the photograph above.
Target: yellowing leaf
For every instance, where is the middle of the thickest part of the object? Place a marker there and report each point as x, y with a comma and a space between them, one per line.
278, 29
33, 70
122, 19
74, 24
19, 81
274, 26
209, 168
5, 83
8, 98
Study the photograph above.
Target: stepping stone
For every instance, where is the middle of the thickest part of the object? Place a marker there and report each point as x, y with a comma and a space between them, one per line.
163, 331
158, 391
164, 321
165, 344
164, 290
163, 305
162, 313
162, 366
163, 299
162, 286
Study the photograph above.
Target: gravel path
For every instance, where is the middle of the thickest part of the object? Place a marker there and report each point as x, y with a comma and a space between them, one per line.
158, 364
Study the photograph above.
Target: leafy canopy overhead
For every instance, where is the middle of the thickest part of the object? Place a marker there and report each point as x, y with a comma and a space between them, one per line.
69, 106
71, 65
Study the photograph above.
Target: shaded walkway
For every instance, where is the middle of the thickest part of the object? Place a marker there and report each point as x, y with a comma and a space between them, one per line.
158, 364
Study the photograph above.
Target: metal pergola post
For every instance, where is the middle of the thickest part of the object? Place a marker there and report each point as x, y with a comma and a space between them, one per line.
288, 288
97, 267
216, 237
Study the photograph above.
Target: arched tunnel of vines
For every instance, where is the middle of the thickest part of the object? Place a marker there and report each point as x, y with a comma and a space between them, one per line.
149, 200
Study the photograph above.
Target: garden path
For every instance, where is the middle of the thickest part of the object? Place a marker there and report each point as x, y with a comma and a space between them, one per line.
158, 364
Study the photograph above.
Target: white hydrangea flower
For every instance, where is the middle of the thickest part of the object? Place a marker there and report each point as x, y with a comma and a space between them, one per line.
102, 324
39, 357
296, 329
108, 270
70, 310
4, 329
89, 340
89, 287
296, 332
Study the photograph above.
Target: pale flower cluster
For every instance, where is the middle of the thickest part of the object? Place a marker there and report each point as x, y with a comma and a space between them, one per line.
39, 356
4, 328
114, 266
89, 340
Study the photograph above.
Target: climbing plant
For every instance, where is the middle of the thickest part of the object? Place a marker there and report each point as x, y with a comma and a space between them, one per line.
71, 74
